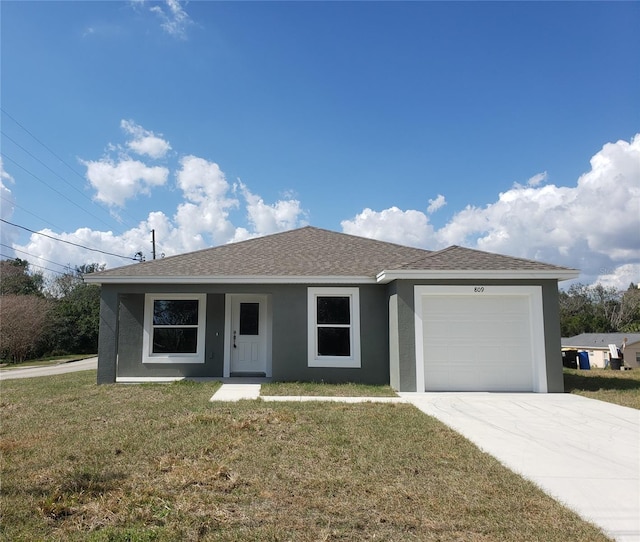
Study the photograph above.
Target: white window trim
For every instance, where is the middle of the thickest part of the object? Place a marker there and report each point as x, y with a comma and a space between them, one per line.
346, 362
147, 343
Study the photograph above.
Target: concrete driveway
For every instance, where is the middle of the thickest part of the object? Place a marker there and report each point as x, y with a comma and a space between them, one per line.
30, 372
585, 453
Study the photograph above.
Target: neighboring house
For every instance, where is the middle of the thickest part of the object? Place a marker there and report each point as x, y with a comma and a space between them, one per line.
315, 305
597, 346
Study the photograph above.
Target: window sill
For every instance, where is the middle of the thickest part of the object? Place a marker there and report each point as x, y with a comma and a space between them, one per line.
177, 360
337, 363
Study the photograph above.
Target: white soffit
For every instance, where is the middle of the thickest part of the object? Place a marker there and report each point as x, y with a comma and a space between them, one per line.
188, 279
389, 275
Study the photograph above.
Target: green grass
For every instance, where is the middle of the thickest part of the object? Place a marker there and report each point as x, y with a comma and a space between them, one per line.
159, 463
619, 387
325, 390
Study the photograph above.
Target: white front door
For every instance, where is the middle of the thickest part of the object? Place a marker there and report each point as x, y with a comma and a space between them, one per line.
248, 334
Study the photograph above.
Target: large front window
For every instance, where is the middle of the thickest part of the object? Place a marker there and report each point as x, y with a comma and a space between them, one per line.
334, 327
174, 327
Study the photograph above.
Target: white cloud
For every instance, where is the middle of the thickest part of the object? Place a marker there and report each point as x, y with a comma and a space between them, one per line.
7, 206
175, 19
536, 180
283, 215
206, 211
44, 248
144, 142
116, 182
620, 277
593, 226
393, 225
435, 204
202, 220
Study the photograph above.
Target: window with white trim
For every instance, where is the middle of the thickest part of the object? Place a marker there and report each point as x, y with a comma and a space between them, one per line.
174, 328
334, 327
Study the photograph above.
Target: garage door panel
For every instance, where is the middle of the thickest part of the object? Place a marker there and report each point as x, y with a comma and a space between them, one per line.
477, 380
477, 343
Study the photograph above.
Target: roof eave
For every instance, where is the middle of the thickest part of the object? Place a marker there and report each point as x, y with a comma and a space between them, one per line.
387, 276
249, 279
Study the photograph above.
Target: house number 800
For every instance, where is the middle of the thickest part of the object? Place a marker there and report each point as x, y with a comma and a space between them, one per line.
478, 289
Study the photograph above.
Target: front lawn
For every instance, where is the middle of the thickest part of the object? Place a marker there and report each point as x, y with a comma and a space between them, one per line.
619, 387
162, 463
295, 389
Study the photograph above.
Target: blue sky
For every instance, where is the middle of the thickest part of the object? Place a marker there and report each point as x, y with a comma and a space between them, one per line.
510, 126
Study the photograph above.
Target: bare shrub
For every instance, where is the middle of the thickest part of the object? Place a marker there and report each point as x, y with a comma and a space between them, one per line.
22, 325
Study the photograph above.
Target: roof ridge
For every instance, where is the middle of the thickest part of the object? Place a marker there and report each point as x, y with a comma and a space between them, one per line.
287, 246
372, 239
497, 254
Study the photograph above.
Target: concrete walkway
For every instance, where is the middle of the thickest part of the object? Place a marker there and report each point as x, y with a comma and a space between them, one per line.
238, 392
582, 452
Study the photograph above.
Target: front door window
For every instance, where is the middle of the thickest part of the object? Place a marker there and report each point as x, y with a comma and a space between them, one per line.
249, 318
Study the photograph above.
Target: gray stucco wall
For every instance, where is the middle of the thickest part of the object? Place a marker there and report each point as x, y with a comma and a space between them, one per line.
129, 362
121, 332
553, 349
290, 338
402, 336
405, 329
108, 333
394, 354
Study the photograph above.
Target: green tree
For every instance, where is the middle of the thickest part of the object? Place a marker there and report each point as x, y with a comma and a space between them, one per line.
630, 310
74, 320
576, 311
16, 279
599, 309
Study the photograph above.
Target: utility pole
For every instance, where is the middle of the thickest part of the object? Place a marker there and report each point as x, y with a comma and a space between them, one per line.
153, 243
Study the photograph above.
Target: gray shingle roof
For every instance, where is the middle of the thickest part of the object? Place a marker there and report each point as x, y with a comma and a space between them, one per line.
306, 251
599, 340
461, 258
314, 252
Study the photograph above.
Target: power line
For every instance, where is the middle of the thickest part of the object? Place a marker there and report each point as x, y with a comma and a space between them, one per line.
55, 190
30, 213
57, 175
34, 256
68, 242
41, 143
33, 264
53, 153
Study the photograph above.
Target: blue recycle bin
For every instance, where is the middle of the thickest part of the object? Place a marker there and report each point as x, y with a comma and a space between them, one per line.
583, 361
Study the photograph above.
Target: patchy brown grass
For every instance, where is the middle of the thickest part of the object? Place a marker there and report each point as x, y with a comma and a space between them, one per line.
619, 387
349, 389
161, 463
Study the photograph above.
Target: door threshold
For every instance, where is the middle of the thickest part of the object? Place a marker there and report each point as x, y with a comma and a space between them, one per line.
249, 374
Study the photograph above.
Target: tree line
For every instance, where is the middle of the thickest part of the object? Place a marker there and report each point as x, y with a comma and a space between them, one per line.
40, 317
599, 309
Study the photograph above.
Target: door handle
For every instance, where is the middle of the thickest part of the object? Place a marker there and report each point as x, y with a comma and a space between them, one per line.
234, 339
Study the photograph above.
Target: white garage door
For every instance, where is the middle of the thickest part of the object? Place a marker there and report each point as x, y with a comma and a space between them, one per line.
479, 338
